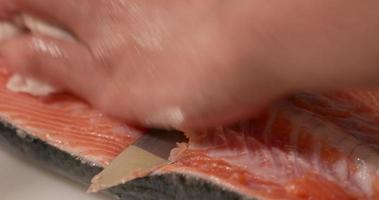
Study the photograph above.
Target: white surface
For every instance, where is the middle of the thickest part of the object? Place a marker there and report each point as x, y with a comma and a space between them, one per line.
20, 180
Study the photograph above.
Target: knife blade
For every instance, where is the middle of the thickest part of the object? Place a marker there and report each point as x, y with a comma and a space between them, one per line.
148, 152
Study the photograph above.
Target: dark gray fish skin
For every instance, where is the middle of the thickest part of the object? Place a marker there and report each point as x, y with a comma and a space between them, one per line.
155, 187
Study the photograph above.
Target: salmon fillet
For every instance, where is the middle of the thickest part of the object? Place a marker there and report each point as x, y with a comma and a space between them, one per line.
311, 146
66, 123
288, 153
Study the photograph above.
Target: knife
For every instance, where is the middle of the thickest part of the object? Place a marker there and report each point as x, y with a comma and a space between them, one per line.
148, 152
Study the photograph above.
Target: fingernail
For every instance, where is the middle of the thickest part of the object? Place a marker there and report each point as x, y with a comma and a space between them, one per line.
8, 30
167, 118
21, 84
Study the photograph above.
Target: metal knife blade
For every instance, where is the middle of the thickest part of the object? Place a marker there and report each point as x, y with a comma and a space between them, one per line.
148, 152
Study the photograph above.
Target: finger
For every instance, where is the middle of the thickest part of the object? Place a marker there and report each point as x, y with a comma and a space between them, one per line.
40, 27
8, 30
65, 13
62, 63
6, 9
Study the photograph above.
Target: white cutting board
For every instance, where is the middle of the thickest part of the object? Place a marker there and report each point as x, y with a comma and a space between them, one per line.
21, 180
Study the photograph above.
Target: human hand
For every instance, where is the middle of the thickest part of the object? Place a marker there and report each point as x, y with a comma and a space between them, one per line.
188, 64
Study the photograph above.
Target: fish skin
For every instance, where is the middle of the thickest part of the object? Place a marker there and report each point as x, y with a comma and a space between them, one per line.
66, 123
285, 153
313, 146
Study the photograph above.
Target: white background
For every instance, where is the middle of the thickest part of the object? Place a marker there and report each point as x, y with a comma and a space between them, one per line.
21, 180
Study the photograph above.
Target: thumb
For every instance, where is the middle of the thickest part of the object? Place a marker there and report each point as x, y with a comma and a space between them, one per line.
62, 63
